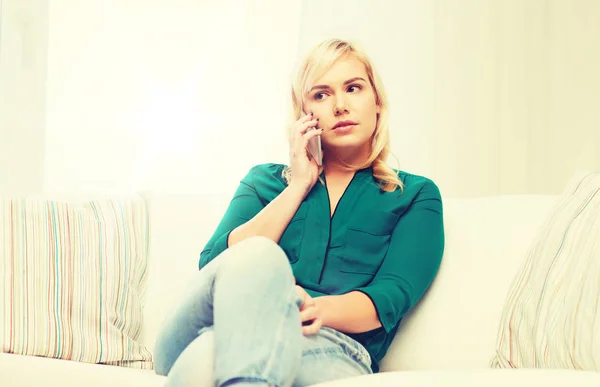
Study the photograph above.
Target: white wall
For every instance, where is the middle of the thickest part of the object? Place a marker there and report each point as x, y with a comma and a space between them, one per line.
487, 96
565, 132
166, 96
23, 46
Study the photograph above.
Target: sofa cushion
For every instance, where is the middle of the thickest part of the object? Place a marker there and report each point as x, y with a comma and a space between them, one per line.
473, 378
456, 322
32, 371
552, 315
17, 370
72, 279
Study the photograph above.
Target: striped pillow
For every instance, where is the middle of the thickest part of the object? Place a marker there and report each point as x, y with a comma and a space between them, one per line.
72, 279
552, 315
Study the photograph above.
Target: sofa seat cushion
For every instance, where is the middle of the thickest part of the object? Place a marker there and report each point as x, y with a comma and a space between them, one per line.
474, 378
33, 371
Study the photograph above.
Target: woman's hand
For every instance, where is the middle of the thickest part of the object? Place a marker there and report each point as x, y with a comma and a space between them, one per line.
305, 170
310, 314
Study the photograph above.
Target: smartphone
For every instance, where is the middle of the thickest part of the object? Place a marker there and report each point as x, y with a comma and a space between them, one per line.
315, 150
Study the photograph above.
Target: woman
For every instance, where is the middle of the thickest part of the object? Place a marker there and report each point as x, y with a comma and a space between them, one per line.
312, 267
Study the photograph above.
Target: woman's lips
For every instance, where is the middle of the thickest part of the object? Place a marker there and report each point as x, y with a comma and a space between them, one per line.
344, 129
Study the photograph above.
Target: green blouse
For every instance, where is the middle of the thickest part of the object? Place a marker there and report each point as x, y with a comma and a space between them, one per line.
387, 245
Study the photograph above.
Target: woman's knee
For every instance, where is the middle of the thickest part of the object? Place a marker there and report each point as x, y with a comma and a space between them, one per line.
258, 253
196, 364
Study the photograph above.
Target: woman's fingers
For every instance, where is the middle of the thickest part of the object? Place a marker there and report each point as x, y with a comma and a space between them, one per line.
313, 328
309, 313
307, 300
311, 319
310, 134
300, 147
307, 117
303, 125
304, 170
302, 293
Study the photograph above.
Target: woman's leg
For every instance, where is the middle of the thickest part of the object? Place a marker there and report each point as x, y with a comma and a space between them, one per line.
326, 356
247, 293
195, 366
331, 355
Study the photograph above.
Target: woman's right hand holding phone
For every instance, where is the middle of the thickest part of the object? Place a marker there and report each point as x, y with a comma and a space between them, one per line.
272, 221
304, 170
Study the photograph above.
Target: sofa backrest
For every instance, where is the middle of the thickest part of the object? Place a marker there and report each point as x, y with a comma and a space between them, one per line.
180, 226
453, 326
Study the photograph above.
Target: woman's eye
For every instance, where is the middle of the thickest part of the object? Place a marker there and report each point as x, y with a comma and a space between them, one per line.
351, 88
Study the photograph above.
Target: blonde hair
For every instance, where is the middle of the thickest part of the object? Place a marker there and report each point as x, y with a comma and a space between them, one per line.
318, 61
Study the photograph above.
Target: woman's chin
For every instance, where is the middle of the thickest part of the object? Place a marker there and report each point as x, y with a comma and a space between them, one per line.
348, 141
348, 148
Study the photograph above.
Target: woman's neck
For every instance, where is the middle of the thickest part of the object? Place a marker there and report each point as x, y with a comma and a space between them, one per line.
336, 163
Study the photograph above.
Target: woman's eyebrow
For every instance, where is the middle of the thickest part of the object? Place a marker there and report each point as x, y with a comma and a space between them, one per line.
345, 83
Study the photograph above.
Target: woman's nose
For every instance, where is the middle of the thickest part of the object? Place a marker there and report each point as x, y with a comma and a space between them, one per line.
340, 106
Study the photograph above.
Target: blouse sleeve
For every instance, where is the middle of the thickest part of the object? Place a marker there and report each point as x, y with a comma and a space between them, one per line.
243, 207
413, 258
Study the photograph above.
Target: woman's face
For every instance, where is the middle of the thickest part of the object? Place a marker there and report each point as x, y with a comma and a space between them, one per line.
344, 95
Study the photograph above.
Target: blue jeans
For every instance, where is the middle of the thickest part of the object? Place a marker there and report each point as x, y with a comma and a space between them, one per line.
242, 313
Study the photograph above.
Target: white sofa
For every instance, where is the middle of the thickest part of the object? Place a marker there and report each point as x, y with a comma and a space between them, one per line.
447, 340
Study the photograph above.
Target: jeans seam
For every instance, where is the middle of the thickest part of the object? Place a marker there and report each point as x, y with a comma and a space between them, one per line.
352, 348
245, 379
273, 358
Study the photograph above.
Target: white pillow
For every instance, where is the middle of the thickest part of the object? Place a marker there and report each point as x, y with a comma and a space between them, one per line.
552, 315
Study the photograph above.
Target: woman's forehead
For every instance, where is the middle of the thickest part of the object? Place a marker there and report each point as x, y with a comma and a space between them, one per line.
341, 71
